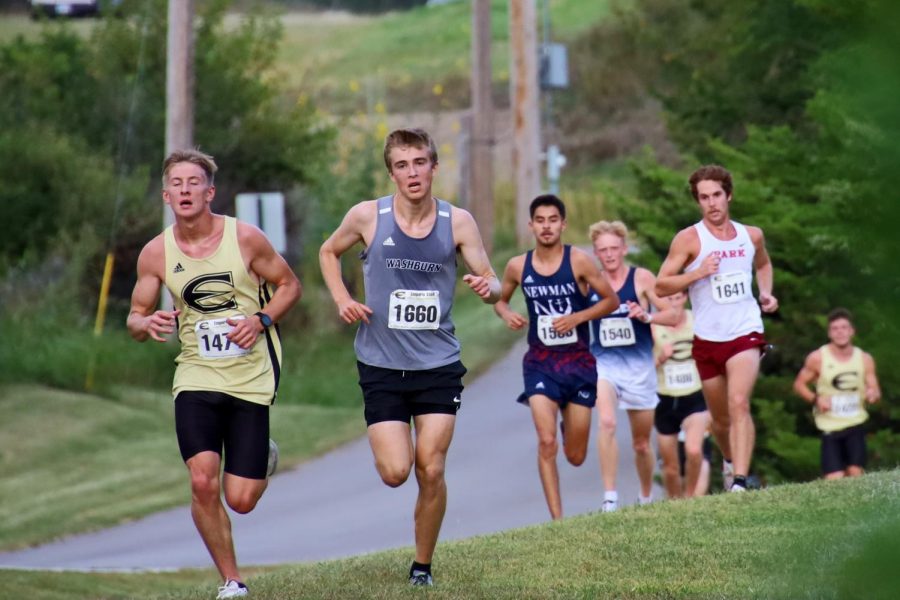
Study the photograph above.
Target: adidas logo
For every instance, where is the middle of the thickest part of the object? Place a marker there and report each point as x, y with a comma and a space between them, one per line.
178, 269
539, 386
528, 279
388, 242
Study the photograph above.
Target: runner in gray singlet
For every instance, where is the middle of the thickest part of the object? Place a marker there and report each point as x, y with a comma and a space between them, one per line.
408, 356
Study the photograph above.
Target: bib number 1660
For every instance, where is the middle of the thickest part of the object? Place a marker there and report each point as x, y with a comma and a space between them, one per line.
414, 309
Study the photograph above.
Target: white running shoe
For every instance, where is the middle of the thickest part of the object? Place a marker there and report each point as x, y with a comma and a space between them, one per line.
232, 589
727, 475
273, 458
421, 579
609, 506
736, 487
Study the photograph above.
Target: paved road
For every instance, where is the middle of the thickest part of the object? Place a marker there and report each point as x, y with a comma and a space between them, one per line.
336, 505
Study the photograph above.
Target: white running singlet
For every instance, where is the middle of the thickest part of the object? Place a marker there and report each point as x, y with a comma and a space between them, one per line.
724, 305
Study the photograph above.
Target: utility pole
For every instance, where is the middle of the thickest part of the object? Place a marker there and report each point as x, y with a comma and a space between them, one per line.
179, 82
481, 139
526, 110
179, 90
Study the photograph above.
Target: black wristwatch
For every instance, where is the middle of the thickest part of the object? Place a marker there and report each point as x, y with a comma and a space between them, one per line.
265, 319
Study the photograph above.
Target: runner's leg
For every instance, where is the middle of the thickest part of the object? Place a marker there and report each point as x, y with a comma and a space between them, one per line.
694, 427
433, 435
544, 414
742, 370
641, 429
606, 440
392, 447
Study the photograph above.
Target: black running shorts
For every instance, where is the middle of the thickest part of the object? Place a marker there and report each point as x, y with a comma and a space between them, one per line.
844, 448
673, 410
215, 421
394, 395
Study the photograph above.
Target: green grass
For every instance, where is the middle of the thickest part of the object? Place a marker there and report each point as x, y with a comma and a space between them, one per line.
413, 59
73, 462
818, 540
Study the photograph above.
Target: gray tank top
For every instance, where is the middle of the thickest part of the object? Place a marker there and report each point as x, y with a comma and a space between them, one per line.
409, 287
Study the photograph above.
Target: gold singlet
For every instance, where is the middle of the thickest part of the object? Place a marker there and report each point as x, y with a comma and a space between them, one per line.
208, 291
845, 382
677, 376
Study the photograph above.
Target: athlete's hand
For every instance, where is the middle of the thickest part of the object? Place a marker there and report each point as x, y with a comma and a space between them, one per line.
160, 323
566, 323
872, 395
665, 353
768, 303
636, 311
244, 331
514, 320
352, 311
710, 265
823, 403
480, 285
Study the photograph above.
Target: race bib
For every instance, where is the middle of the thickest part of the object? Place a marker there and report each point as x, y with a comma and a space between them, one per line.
212, 340
728, 288
616, 331
680, 375
549, 336
414, 309
845, 405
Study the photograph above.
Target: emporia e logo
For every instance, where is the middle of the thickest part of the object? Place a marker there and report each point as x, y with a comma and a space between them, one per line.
210, 293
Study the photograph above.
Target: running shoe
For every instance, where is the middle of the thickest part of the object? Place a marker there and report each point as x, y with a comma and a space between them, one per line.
736, 487
609, 506
232, 589
727, 475
421, 579
273, 458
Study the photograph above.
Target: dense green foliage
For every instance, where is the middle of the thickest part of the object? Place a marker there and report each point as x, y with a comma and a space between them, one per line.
82, 122
796, 99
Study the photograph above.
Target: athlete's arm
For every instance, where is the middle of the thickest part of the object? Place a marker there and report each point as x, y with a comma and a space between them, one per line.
357, 222
271, 267
645, 283
873, 390
144, 321
481, 277
764, 272
685, 246
512, 276
586, 272
807, 375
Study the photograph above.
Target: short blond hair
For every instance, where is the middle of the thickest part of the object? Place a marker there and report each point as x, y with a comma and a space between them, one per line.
195, 157
614, 227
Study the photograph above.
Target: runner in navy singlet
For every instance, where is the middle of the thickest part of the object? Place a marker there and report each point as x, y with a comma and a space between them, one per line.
558, 368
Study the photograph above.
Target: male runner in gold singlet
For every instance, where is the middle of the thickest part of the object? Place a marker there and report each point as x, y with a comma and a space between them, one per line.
845, 383
220, 273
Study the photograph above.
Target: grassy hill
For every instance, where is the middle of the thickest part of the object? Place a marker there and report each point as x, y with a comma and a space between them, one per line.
413, 60
399, 61
818, 540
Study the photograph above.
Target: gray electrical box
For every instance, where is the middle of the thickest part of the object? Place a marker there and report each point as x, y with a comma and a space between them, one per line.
266, 211
554, 66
